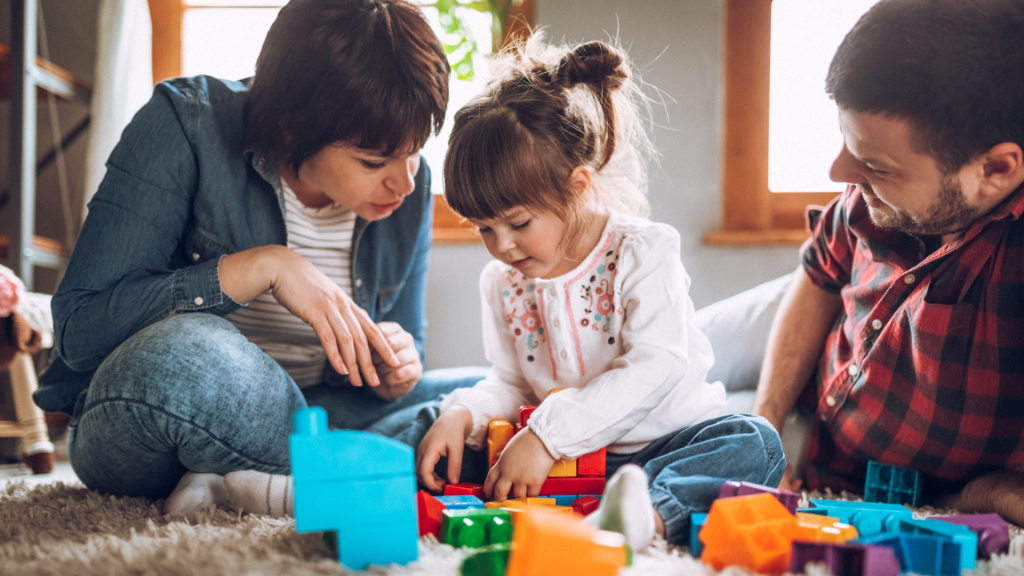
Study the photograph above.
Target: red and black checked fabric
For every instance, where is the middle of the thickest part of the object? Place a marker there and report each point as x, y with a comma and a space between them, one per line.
925, 366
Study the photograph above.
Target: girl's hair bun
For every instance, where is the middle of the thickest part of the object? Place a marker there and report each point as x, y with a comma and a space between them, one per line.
597, 64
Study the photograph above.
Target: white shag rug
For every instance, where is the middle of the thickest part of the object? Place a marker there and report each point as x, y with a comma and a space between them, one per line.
59, 528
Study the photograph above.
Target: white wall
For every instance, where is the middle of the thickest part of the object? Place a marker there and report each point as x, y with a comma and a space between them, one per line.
677, 44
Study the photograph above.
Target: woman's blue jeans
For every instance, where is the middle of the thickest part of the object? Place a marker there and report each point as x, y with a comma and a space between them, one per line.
192, 393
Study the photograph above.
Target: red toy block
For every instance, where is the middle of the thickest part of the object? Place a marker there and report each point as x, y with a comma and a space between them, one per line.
592, 464
586, 505
465, 489
429, 510
524, 415
755, 532
587, 485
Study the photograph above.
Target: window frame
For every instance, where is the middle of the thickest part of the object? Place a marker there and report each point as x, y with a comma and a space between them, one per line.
751, 213
167, 17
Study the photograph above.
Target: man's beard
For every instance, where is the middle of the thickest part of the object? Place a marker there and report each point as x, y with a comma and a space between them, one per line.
948, 215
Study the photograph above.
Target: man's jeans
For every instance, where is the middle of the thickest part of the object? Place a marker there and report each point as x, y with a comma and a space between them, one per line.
192, 393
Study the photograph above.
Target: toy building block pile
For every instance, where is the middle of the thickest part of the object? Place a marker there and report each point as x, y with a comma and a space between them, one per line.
761, 529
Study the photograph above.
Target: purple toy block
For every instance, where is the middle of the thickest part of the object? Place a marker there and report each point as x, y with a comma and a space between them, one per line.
845, 559
993, 532
732, 488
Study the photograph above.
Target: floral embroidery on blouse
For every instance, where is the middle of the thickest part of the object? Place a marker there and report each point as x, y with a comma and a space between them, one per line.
521, 312
598, 293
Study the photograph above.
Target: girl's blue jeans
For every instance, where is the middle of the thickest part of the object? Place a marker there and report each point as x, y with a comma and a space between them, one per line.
192, 393
685, 468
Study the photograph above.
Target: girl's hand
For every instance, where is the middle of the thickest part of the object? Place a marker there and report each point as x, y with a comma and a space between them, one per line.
345, 331
521, 469
397, 381
447, 437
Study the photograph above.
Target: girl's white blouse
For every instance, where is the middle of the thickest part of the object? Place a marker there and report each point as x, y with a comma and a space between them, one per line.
617, 333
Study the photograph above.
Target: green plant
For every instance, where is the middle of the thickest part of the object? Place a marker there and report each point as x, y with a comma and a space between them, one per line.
458, 40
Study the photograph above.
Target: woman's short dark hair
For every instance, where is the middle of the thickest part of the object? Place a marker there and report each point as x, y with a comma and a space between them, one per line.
366, 72
952, 68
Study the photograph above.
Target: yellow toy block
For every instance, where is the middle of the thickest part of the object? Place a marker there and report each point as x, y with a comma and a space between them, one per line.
824, 529
499, 432
563, 469
548, 544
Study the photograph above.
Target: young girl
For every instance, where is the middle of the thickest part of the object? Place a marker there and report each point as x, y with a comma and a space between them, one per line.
589, 296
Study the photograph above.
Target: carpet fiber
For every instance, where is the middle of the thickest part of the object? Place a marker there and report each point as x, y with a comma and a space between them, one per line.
67, 529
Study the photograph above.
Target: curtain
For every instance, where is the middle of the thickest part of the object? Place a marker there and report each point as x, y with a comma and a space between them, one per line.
122, 83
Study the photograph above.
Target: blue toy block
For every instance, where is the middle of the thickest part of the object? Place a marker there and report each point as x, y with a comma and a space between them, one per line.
564, 499
867, 517
963, 535
357, 484
697, 522
920, 554
460, 502
892, 484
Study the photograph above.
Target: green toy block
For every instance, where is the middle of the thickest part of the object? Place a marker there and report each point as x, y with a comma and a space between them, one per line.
473, 528
488, 561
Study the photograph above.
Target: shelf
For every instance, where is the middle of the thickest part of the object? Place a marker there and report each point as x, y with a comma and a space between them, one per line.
50, 78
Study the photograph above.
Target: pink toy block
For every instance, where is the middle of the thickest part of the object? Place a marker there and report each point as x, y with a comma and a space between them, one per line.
732, 488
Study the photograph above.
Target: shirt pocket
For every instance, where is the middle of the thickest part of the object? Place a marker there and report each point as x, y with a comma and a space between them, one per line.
942, 342
387, 297
199, 247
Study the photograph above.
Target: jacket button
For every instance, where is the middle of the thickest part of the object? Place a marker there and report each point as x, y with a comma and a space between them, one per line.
198, 300
830, 400
359, 282
910, 278
195, 256
876, 324
853, 370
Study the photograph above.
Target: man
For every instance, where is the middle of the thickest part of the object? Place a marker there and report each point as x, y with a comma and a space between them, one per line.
904, 330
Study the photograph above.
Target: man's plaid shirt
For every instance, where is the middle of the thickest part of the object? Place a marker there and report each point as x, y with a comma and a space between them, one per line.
924, 368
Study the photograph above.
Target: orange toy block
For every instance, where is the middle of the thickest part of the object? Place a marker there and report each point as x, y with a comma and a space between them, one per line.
465, 489
521, 503
499, 432
755, 532
547, 544
563, 469
824, 529
585, 505
428, 510
592, 464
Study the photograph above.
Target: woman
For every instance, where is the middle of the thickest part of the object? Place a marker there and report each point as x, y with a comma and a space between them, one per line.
254, 248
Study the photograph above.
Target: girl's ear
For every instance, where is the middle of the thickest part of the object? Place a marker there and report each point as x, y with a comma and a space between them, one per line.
581, 183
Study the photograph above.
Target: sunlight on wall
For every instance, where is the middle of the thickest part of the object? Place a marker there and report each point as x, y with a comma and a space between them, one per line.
803, 130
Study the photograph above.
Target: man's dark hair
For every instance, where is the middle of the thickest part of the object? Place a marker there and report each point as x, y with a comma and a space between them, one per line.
953, 68
366, 72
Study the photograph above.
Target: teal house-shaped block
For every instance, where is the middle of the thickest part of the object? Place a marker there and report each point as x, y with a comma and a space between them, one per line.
359, 485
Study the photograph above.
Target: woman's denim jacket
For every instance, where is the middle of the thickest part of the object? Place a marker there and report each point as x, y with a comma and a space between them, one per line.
181, 191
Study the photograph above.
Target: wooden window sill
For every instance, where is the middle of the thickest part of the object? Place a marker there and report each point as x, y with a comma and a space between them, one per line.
755, 238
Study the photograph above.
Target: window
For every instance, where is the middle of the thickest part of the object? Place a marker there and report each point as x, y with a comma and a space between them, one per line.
763, 202
223, 38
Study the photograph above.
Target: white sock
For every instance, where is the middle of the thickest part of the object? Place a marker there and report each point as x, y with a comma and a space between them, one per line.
196, 492
261, 493
626, 507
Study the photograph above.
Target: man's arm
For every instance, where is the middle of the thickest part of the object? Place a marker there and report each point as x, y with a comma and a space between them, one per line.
797, 338
1001, 492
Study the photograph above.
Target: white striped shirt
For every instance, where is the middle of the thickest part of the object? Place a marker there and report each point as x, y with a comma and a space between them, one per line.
324, 237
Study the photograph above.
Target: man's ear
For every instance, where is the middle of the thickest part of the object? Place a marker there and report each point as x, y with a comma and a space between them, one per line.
581, 182
1002, 170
